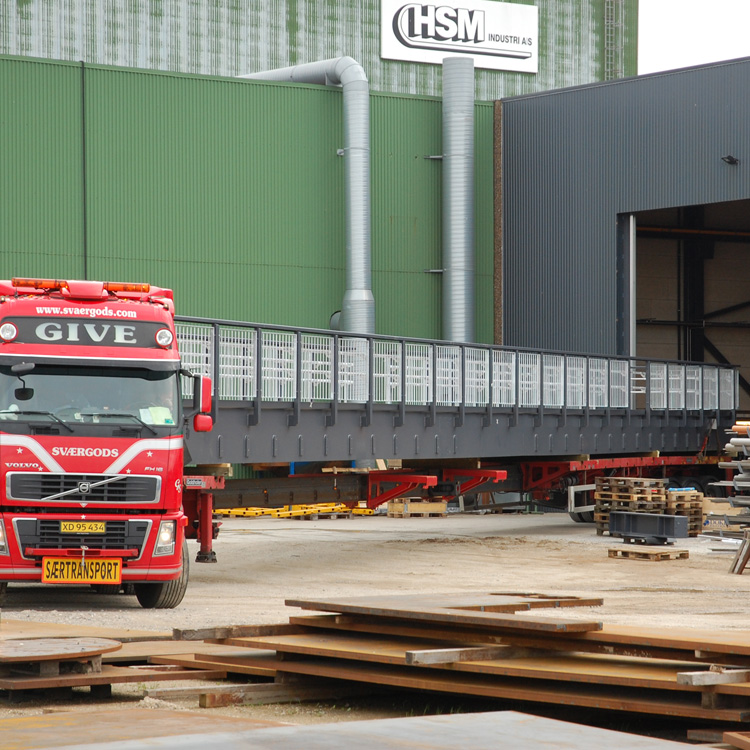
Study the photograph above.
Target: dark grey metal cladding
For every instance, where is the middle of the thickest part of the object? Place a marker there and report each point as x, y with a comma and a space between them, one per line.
530, 434
573, 159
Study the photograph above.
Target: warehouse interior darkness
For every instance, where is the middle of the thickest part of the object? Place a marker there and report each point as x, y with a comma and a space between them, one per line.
692, 298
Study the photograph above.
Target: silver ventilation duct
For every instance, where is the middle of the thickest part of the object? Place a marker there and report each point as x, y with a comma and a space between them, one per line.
458, 199
358, 307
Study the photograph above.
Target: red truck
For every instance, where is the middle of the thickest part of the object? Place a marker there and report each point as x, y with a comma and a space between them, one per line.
91, 438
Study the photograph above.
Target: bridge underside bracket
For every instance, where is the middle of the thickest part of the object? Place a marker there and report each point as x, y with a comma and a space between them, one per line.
403, 481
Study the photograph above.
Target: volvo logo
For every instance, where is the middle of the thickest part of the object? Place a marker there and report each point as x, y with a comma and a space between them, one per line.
84, 488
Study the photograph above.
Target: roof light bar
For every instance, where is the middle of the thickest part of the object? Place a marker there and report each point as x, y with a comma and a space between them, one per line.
41, 283
117, 286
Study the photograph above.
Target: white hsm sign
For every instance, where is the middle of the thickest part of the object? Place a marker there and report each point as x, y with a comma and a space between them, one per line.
499, 36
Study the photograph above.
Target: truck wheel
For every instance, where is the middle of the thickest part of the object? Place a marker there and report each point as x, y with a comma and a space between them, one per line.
582, 516
165, 594
3, 592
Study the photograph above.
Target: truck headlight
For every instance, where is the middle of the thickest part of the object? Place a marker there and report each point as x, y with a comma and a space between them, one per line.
3, 540
165, 539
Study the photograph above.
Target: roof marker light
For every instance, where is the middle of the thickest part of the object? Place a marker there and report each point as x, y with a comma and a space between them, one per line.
164, 337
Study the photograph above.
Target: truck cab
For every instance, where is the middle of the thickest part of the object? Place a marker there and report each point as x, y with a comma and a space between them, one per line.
91, 438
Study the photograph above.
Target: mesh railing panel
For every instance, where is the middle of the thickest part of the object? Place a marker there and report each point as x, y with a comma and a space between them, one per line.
528, 379
657, 378
503, 378
693, 387
554, 376
575, 382
387, 372
316, 376
598, 381
354, 367
279, 366
676, 387
477, 376
448, 375
237, 363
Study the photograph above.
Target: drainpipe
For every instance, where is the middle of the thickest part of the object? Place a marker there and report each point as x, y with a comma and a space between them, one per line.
458, 199
358, 307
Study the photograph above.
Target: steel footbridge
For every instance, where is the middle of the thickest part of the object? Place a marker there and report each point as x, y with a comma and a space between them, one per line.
301, 395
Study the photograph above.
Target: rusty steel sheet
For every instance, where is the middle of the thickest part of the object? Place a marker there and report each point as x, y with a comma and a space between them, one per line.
142, 651
54, 649
82, 728
234, 664
475, 636
728, 647
740, 740
109, 675
127, 730
570, 667
23, 630
496, 610
610, 697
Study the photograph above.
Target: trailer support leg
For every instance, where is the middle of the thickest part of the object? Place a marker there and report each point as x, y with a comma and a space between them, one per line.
206, 553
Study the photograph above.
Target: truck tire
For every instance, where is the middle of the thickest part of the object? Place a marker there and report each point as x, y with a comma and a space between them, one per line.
3, 592
582, 516
165, 594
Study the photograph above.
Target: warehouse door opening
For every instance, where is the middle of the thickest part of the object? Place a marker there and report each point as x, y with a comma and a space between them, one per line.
692, 300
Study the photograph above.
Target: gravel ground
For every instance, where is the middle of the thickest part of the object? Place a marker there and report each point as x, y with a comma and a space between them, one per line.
264, 561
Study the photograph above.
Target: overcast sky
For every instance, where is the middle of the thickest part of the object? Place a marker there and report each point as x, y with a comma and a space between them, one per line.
679, 33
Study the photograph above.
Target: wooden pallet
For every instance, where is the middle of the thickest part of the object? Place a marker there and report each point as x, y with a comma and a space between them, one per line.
417, 509
610, 483
655, 555
634, 496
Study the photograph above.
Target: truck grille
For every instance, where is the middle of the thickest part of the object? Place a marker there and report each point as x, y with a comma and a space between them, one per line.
86, 488
46, 534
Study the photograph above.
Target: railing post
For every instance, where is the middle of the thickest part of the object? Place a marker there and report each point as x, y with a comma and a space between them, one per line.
513, 421
293, 418
216, 370
564, 411
540, 414
459, 421
585, 395
490, 386
366, 418
254, 418
432, 418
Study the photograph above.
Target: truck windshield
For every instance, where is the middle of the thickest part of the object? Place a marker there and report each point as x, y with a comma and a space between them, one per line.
90, 394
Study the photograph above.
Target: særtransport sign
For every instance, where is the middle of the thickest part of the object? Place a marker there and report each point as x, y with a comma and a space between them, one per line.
497, 35
76, 570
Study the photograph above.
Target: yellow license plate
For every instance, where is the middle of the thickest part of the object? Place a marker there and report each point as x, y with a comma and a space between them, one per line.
75, 570
82, 527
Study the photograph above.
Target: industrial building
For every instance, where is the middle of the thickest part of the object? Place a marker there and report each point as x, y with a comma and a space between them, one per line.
181, 178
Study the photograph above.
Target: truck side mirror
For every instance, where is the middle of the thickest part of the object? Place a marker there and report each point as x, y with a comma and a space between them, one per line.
203, 423
204, 394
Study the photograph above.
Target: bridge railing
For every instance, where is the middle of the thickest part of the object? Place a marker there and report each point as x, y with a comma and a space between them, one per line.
263, 363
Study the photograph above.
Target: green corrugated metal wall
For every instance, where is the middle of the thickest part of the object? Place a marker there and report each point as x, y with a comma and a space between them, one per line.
230, 192
41, 226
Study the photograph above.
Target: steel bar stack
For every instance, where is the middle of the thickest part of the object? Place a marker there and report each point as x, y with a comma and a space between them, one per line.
643, 495
511, 647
